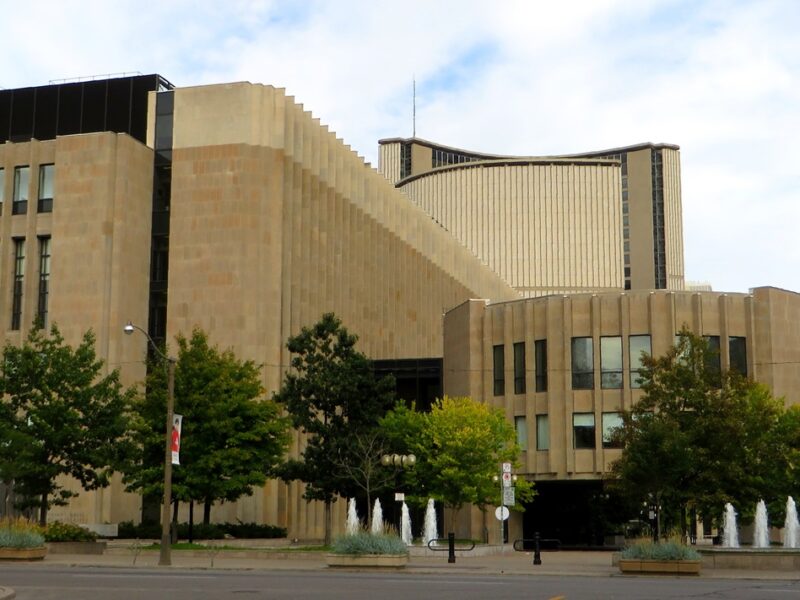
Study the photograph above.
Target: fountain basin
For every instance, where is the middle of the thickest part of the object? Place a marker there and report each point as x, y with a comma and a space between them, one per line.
756, 559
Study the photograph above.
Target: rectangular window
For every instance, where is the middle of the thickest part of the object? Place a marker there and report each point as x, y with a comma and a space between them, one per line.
637, 344
499, 370
583, 430
2, 188
713, 359
737, 347
44, 280
19, 280
540, 358
611, 422
519, 368
542, 432
46, 173
22, 176
611, 362
521, 427
582, 364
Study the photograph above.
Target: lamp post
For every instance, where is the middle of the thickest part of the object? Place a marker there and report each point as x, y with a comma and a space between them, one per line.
398, 460
164, 558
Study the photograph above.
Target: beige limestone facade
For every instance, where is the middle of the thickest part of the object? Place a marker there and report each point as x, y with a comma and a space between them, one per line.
595, 221
563, 367
271, 220
80, 262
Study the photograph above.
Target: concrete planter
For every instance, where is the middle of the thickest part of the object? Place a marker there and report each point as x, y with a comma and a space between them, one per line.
666, 567
23, 553
383, 561
76, 547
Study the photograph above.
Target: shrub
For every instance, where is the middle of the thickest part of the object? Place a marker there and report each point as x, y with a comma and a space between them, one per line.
368, 543
20, 533
67, 532
670, 550
214, 531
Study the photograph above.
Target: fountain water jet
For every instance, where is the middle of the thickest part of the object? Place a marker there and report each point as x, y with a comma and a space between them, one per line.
761, 533
405, 526
377, 518
430, 531
730, 537
352, 517
791, 528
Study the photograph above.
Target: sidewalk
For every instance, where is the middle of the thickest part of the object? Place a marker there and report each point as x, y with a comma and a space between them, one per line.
558, 563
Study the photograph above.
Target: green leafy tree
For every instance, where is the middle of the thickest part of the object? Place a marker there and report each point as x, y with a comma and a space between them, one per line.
62, 414
332, 396
459, 446
231, 438
699, 437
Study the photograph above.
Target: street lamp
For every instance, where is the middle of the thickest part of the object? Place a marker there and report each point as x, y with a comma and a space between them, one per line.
398, 460
164, 558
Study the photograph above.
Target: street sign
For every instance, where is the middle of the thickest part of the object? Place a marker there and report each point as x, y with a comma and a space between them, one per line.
506, 467
399, 496
506, 479
508, 496
501, 513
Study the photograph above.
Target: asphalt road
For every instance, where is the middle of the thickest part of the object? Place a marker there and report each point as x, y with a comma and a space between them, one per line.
93, 583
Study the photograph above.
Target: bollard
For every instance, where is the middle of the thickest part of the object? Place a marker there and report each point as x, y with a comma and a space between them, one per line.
537, 559
451, 547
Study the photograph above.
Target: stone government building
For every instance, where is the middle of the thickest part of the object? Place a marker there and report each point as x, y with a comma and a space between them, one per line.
232, 208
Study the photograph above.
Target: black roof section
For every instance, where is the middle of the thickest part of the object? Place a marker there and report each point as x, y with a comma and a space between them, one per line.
117, 104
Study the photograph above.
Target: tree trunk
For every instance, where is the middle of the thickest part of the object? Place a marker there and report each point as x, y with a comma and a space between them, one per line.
207, 511
191, 521
327, 523
43, 511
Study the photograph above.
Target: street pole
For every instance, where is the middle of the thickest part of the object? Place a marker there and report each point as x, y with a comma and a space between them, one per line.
164, 557
165, 552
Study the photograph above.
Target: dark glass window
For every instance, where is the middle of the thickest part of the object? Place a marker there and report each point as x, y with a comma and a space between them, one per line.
611, 422
44, 280
611, 362
46, 174
542, 432
540, 358
2, 188
22, 177
713, 360
636, 345
582, 364
498, 370
737, 347
519, 368
19, 282
583, 430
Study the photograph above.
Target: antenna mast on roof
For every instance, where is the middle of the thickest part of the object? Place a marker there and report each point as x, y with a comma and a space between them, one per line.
414, 107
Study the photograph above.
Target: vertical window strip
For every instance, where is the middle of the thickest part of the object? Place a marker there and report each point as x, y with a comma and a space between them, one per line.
44, 280
19, 280
540, 358
498, 370
519, 368
21, 183
46, 174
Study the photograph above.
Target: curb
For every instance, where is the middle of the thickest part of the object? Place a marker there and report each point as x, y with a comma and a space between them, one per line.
7, 593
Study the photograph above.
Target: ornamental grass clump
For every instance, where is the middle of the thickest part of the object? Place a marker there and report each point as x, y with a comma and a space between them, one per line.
20, 533
669, 550
369, 543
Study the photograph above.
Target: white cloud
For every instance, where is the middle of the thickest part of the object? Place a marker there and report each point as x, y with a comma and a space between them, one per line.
719, 78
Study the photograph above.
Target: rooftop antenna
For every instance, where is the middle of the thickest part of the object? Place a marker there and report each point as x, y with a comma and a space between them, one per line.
414, 107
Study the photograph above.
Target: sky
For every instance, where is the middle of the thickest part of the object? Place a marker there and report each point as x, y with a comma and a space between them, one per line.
721, 79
